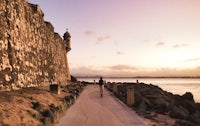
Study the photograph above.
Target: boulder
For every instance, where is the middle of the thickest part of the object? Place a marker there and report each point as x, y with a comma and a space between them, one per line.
160, 105
194, 118
142, 107
198, 106
189, 105
178, 112
184, 123
152, 99
188, 96
138, 98
37, 106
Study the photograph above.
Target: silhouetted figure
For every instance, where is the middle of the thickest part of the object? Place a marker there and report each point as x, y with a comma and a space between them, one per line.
101, 86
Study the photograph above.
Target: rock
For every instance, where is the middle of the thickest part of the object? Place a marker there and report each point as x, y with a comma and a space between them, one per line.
73, 79
69, 100
198, 106
178, 112
37, 106
176, 97
152, 99
51, 115
56, 111
142, 107
46, 121
190, 106
160, 106
138, 98
48, 117
194, 118
184, 123
188, 96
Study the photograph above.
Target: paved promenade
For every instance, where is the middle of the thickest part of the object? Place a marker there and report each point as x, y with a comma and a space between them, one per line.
92, 110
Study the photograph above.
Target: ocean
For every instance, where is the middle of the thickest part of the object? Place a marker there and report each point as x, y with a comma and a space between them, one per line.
173, 85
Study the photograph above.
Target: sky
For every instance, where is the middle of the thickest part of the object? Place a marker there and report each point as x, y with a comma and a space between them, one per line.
128, 38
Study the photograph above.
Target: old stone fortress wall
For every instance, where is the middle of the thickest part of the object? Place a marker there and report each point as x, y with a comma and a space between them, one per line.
31, 54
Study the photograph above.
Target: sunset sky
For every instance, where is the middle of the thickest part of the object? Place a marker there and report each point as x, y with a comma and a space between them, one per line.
129, 37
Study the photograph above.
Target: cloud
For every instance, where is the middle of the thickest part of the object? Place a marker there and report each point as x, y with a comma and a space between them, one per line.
89, 32
160, 44
120, 53
131, 71
122, 67
179, 45
193, 59
102, 38
106, 71
84, 71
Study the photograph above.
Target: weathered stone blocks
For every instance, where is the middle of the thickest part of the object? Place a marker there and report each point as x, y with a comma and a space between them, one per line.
31, 54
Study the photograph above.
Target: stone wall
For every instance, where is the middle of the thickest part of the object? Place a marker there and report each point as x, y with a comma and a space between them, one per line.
31, 53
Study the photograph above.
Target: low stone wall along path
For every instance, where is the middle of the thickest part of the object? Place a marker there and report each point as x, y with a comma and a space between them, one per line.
92, 110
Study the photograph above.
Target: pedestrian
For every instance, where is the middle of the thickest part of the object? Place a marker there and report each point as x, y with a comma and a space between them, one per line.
101, 86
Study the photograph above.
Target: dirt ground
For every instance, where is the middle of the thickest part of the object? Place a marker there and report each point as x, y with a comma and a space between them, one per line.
35, 106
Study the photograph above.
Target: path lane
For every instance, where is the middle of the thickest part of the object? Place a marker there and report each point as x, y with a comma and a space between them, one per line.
92, 110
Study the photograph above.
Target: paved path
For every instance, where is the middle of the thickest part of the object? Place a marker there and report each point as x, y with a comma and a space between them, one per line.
92, 110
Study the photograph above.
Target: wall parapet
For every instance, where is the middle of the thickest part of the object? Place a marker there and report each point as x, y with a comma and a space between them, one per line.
36, 9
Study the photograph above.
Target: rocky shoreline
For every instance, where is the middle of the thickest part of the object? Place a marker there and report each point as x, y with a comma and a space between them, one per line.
36, 106
151, 100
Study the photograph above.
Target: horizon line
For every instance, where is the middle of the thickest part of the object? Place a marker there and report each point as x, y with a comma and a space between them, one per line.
138, 77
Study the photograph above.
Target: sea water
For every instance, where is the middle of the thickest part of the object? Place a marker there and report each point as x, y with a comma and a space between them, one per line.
174, 85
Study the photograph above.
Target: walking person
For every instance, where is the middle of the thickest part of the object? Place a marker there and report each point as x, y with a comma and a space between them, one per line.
101, 86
